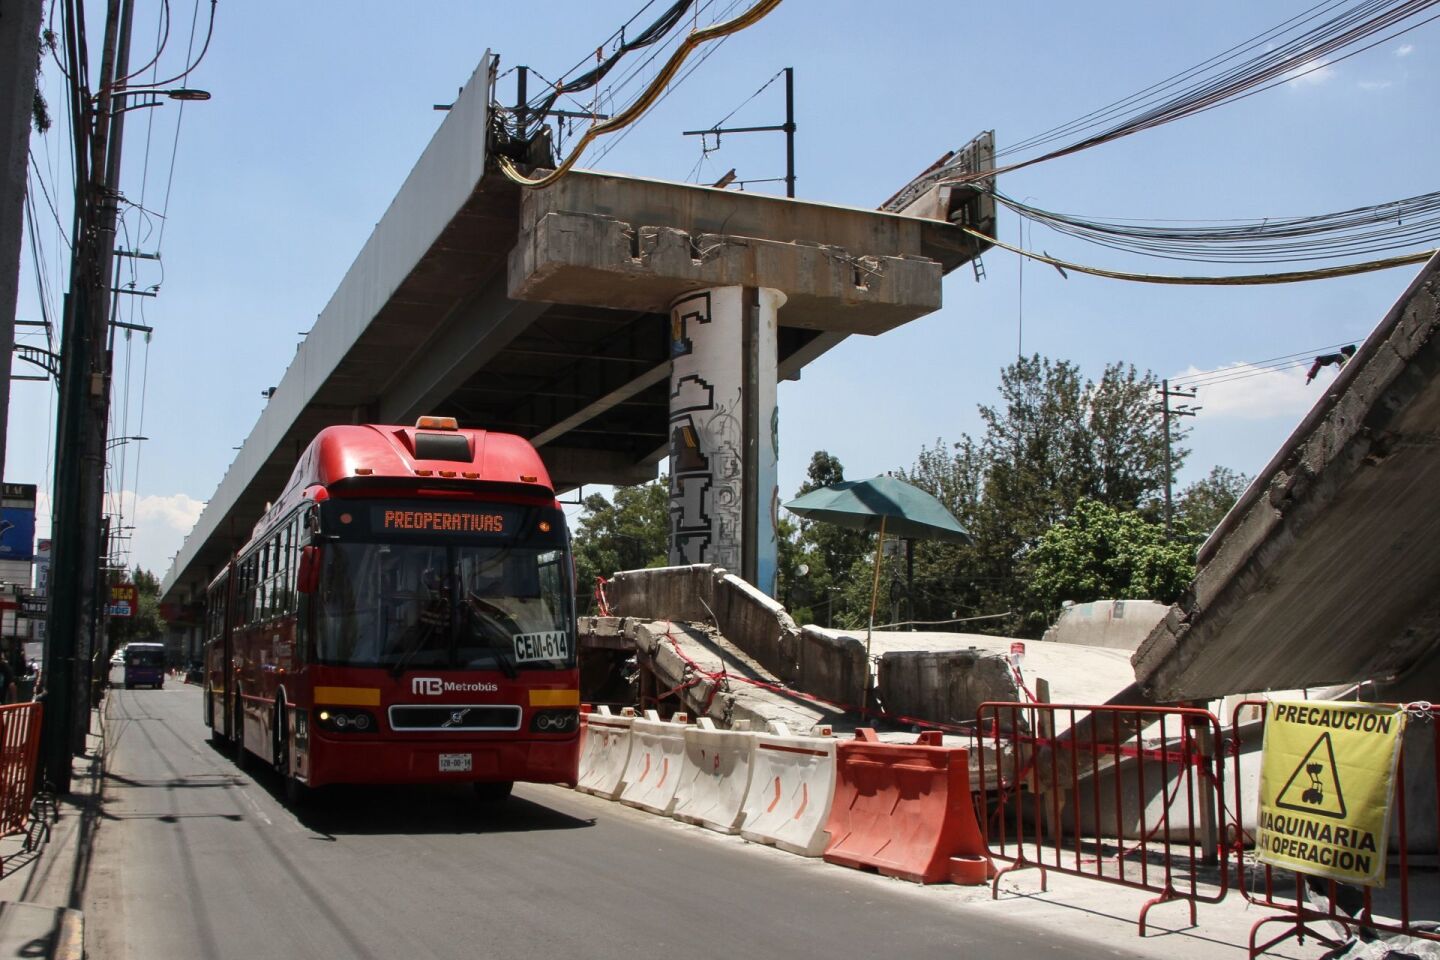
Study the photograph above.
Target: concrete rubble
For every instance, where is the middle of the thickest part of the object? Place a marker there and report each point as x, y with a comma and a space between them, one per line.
724, 625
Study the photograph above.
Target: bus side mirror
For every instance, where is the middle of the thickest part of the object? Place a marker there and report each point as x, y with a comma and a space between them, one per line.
307, 579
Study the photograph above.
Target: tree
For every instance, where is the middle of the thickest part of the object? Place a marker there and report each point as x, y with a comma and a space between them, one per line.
1204, 503
950, 579
828, 552
631, 533
144, 625
1103, 552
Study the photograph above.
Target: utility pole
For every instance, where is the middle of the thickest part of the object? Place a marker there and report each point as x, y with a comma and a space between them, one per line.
1184, 410
84, 391
19, 43
787, 128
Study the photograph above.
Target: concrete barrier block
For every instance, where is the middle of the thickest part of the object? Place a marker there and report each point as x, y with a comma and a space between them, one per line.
792, 785
715, 777
656, 756
604, 753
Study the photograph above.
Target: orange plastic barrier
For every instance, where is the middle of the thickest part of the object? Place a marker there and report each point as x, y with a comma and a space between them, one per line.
902, 809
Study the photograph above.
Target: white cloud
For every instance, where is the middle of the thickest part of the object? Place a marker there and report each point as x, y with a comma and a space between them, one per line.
1243, 391
1371, 85
161, 523
1405, 49
1311, 74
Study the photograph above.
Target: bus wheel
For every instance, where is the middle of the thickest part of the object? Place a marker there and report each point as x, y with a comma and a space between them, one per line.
217, 734
296, 792
496, 792
242, 756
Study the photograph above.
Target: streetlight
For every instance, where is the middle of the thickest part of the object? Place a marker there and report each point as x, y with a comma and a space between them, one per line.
116, 441
181, 93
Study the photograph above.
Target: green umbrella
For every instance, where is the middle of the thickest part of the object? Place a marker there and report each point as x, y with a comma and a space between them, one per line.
881, 504
884, 505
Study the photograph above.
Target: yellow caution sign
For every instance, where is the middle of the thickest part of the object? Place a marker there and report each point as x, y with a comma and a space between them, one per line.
1326, 779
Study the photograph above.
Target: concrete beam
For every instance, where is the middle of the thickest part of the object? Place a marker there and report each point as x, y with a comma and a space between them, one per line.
465, 342
570, 467
647, 379
1325, 571
592, 259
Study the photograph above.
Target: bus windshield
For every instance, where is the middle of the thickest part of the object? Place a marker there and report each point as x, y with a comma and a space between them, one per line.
444, 606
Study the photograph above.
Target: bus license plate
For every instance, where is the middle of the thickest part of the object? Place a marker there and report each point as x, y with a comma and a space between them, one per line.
455, 763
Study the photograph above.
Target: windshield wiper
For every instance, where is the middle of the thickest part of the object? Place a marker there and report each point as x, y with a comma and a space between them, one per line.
507, 662
399, 669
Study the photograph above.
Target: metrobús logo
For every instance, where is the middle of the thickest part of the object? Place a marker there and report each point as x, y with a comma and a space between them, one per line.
434, 686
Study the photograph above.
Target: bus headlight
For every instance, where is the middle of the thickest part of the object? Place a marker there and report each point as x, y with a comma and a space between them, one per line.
344, 720
555, 721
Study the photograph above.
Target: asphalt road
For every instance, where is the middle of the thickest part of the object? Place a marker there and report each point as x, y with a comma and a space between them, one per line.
193, 859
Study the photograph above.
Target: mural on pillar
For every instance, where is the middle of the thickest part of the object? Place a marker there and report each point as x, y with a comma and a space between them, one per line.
706, 438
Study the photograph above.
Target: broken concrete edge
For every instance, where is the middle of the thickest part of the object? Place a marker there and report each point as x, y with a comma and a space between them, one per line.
1345, 426
831, 668
707, 682
1275, 469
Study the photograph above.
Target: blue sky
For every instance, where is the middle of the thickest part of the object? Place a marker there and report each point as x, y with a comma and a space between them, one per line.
321, 109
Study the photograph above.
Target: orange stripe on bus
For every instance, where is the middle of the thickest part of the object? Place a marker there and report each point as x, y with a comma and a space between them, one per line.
554, 698
348, 696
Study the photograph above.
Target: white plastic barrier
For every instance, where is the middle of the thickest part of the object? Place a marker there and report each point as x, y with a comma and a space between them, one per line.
792, 784
657, 752
604, 754
715, 777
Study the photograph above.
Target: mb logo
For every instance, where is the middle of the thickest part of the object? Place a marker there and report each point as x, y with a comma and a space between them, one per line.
427, 686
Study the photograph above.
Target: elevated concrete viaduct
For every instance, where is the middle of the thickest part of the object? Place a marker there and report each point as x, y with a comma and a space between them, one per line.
612, 320
1328, 568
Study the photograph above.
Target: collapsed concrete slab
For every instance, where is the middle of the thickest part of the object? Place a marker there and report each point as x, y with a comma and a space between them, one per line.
1117, 624
708, 675
825, 665
1325, 571
944, 677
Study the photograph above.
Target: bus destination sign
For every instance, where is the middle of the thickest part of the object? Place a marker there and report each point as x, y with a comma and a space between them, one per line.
439, 520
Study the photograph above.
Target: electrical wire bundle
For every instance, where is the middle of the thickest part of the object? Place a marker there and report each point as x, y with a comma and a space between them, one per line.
655, 90
1232, 75
541, 106
1380, 228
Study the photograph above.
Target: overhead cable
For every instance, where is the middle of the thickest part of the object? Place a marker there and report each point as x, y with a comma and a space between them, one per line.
1394, 225
1293, 276
646, 99
1333, 40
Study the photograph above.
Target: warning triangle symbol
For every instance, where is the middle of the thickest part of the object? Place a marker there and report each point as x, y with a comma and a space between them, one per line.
1314, 787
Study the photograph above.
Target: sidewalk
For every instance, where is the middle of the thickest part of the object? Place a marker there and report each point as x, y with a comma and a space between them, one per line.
41, 891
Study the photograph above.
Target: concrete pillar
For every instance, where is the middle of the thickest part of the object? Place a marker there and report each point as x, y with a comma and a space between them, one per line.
724, 431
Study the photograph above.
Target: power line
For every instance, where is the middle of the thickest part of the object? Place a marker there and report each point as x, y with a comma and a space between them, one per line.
1332, 41
1394, 225
1280, 362
1253, 279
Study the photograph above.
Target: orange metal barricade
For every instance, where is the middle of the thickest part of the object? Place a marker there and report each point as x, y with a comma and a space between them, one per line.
1303, 900
1125, 795
19, 750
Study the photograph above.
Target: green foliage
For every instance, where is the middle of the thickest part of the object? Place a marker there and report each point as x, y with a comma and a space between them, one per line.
827, 553
1104, 552
629, 534
1204, 503
146, 625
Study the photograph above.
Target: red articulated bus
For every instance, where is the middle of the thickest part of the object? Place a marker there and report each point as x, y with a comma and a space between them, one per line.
402, 614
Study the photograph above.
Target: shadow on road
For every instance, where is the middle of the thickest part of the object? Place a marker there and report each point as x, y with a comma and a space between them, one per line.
398, 810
